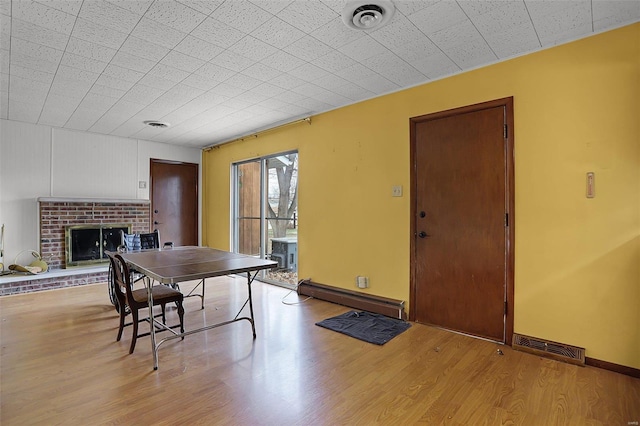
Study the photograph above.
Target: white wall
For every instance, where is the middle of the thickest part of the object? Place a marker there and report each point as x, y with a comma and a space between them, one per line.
42, 161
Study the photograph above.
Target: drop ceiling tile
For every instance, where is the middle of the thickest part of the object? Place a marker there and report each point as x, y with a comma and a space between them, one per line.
409, 7
354, 92
4, 105
74, 74
24, 111
90, 50
243, 82
98, 34
197, 48
139, 7
261, 72
377, 84
26, 89
121, 73
4, 82
334, 61
436, 65
214, 72
110, 92
203, 6
217, 32
272, 6
54, 113
241, 15
157, 33
71, 7
252, 48
309, 72
35, 34
34, 50
501, 18
83, 63
309, 89
200, 82
336, 34
232, 61
268, 90
4, 61
106, 124
307, 16
292, 97
399, 32
277, 33
114, 82
355, 72
182, 62
227, 90
145, 49
439, 16
5, 7
331, 98
136, 63
283, 61
559, 21
168, 73
463, 44
513, 41
180, 94
43, 16
141, 94
70, 89
176, 15
97, 103
363, 48
26, 61
250, 98
5, 32
394, 69
109, 16
32, 74
612, 13
308, 48
287, 81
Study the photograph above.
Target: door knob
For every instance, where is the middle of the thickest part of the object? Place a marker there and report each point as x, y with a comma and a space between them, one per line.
423, 234
155, 222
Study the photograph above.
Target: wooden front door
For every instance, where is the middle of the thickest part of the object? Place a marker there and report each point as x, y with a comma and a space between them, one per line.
462, 202
174, 201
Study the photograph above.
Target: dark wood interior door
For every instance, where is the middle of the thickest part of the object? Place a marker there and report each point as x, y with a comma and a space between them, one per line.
174, 201
460, 259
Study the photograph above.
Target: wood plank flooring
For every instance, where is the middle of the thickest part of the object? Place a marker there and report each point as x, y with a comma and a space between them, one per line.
60, 365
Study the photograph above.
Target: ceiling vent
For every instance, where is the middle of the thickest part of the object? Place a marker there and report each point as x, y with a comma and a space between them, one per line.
157, 124
367, 15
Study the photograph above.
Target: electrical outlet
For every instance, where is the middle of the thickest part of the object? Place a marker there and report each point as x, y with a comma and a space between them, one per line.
396, 191
142, 184
362, 282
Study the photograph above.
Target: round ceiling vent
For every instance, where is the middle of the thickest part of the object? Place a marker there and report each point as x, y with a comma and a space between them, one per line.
367, 15
157, 124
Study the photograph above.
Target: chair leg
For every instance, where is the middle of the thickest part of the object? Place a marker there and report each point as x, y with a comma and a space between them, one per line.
164, 319
134, 312
181, 315
122, 315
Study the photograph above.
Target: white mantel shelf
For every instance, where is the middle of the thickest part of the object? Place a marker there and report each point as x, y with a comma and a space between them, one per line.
17, 277
91, 200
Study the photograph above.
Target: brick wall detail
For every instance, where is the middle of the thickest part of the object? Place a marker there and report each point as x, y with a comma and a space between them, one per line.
55, 216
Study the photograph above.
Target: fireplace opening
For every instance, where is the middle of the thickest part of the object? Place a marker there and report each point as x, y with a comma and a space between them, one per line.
86, 244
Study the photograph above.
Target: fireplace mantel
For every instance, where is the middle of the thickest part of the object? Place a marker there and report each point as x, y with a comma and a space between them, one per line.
91, 200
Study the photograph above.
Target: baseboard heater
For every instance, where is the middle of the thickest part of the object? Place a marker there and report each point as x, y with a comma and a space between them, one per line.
549, 349
366, 302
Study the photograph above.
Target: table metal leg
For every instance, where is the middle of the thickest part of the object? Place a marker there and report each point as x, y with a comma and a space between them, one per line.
253, 322
152, 326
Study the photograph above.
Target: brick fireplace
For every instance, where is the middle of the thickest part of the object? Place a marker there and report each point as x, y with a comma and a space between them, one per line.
58, 213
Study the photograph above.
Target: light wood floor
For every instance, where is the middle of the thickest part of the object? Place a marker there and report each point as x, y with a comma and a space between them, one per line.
60, 364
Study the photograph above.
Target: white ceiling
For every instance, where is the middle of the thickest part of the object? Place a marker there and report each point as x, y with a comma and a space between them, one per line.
217, 70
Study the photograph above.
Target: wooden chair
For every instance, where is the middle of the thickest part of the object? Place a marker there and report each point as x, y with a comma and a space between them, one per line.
137, 299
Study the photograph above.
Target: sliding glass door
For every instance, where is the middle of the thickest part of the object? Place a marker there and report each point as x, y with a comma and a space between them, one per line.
266, 213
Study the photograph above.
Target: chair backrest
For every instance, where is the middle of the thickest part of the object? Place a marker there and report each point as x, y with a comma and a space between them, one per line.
141, 241
119, 283
122, 277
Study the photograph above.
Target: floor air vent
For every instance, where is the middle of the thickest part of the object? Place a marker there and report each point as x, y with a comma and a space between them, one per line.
546, 348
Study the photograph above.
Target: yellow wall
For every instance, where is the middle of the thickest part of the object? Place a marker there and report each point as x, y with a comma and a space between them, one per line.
577, 260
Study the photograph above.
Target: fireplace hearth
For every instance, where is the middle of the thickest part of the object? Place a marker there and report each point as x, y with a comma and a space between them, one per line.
86, 244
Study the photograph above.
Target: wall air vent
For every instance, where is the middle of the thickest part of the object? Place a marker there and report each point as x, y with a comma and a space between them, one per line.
549, 349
